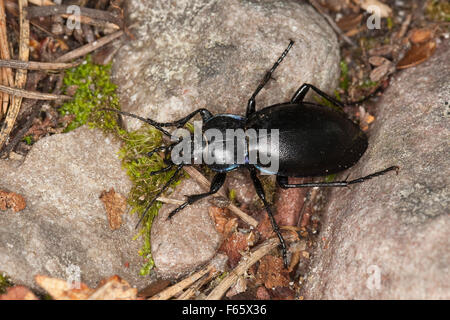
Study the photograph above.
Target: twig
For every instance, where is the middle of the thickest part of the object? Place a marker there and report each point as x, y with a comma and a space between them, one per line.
194, 173
87, 15
190, 292
21, 75
33, 65
333, 24
83, 50
183, 284
170, 201
20, 93
36, 109
6, 73
245, 263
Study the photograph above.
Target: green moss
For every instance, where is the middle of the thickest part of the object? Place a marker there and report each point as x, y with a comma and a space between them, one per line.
94, 92
5, 283
438, 10
28, 140
344, 79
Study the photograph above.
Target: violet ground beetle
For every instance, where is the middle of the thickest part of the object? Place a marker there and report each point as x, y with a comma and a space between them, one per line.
314, 140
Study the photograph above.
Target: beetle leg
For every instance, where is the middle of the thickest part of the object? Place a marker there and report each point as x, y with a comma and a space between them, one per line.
301, 92
251, 102
168, 183
165, 169
283, 181
260, 191
216, 184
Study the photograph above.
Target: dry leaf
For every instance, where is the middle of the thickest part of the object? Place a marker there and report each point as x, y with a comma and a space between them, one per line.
382, 71
63, 290
115, 205
18, 293
12, 200
420, 35
417, 54
378, 61
236, 243
113, 288
383, 10
349, 22
224, 222
271, 272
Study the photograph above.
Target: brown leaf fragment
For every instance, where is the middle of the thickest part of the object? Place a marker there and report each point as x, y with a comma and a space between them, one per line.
63, 290
115, 205
378, 61
417, 54
18, 293
114, 288
382, 71
420, 35
262, 293
224, 222
236, 243
271, 272
12, 200
350, 22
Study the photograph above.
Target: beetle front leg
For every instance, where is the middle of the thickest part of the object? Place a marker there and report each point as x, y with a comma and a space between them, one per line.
301, 92
216, 184
260, 191
283, 181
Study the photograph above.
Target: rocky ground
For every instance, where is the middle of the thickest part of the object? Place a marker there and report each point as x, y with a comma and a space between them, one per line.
384, 239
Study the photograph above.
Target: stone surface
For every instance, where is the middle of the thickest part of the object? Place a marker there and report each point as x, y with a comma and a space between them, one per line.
64, 226
213, 54
389, 238
186, 241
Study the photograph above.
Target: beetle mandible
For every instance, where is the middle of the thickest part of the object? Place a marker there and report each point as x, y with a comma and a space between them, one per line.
313, 140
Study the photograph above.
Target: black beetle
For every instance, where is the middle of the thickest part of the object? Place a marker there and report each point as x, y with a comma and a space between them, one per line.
314, 140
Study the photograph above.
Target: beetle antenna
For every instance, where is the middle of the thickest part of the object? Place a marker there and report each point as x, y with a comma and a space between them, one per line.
149, 121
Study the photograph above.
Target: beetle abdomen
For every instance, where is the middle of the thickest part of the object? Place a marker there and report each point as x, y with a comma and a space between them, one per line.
313, 140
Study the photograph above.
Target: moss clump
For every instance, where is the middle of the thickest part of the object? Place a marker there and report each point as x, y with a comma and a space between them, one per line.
94, 91
438, 10
5, 283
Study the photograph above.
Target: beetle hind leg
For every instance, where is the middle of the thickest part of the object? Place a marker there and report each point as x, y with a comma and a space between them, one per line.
260, 191
283, 181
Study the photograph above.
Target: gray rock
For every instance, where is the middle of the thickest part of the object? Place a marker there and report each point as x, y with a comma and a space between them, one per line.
213, 54
388, 238
64, 226
186, 241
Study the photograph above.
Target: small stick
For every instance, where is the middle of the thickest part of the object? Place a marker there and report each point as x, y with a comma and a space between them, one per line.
87, 48
33, 65
32, 94
245, 263
170, 201
91, 16
21, 75
333, 24
201, 179
183, 284
6, 73
190, 292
